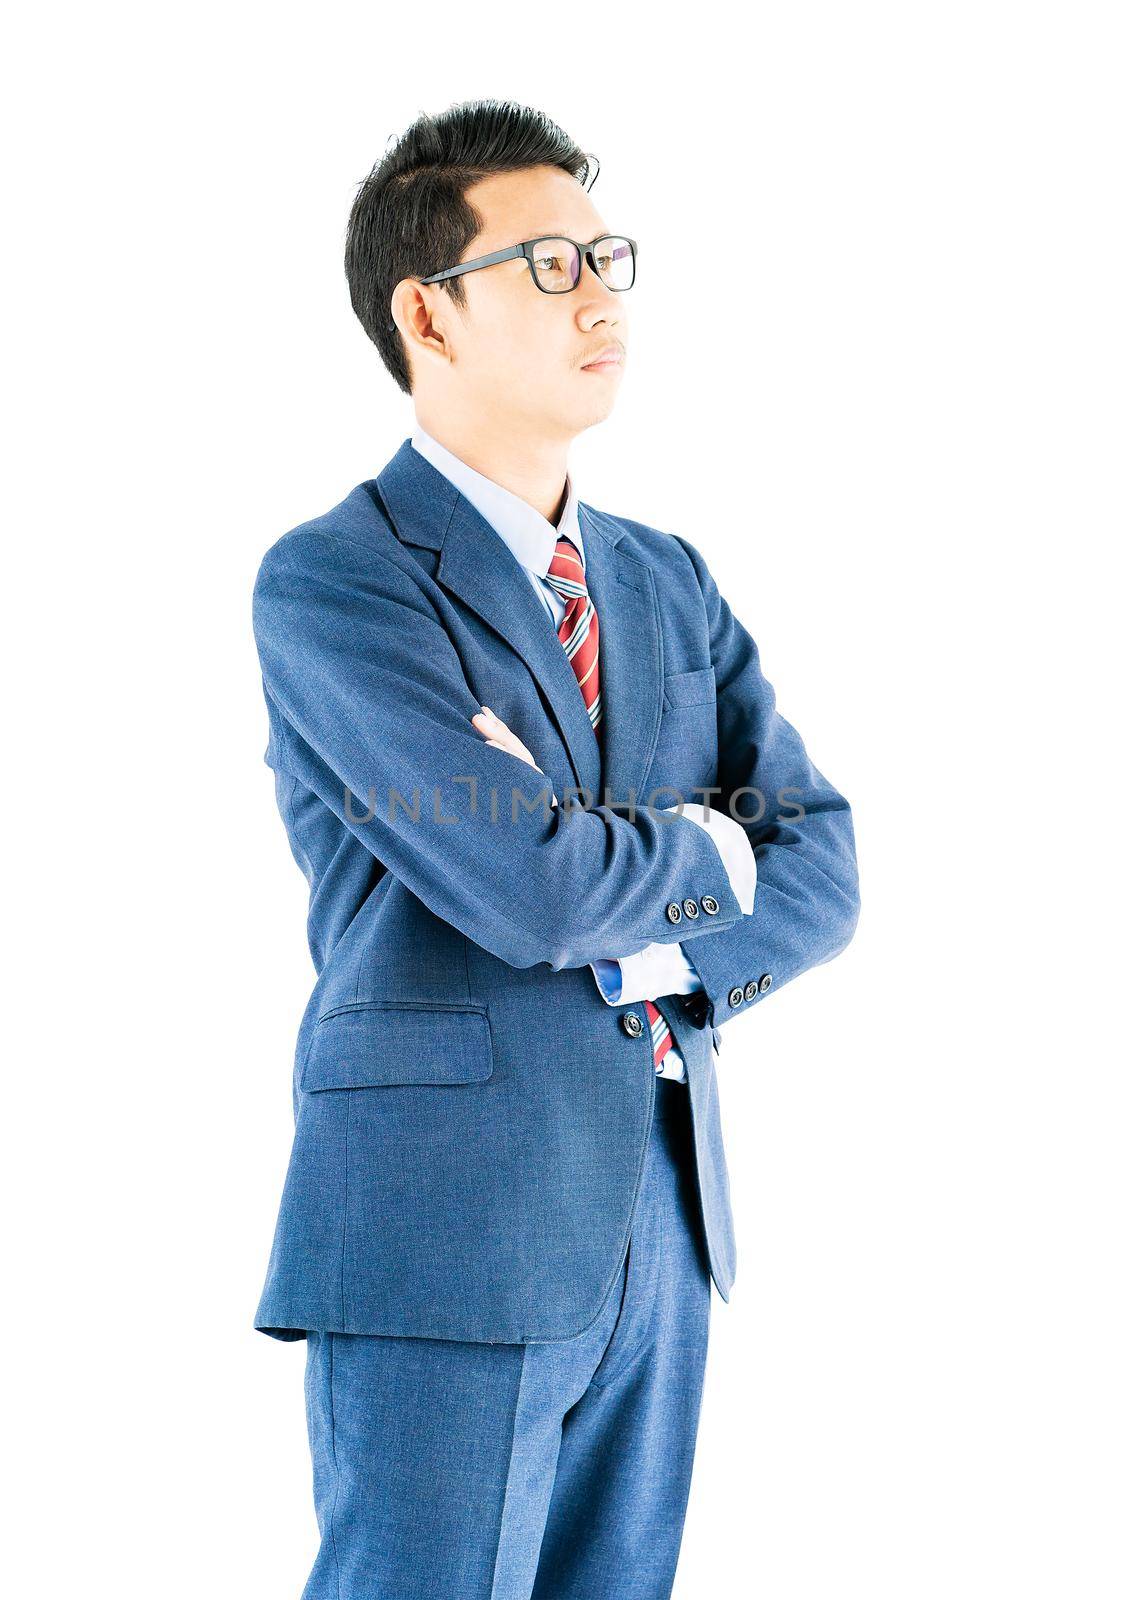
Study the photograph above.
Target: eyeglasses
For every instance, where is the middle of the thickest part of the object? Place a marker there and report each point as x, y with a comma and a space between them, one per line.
556, 263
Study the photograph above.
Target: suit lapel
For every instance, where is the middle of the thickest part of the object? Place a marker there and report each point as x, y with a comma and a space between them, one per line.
630, 644
478, 568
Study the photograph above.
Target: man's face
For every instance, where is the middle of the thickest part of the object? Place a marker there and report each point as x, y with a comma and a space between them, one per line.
519, 356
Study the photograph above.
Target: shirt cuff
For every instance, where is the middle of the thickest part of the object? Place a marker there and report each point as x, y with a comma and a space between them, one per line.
608, 979
655, 970
734, 847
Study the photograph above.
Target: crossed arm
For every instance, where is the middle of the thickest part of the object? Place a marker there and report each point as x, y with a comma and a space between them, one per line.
657, 968
801, 901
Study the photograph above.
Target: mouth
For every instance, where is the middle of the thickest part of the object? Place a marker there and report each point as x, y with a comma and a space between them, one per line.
608, 360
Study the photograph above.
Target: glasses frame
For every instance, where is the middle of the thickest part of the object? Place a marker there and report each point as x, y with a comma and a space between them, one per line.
526, 248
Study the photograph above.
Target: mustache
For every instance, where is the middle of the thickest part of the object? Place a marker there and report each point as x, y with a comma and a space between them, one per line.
600, 350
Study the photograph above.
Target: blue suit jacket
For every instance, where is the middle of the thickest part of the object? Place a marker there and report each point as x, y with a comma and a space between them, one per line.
471, 1118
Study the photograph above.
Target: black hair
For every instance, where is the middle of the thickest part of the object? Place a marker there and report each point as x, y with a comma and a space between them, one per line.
410, 217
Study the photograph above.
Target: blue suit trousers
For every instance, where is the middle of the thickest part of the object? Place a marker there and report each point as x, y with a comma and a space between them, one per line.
451, 1470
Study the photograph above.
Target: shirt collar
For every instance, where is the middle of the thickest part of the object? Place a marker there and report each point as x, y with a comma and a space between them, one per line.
529, 536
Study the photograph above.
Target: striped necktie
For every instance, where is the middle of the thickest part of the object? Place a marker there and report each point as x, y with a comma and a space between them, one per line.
579, 636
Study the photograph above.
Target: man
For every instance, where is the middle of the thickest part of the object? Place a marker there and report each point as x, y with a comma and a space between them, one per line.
497, 718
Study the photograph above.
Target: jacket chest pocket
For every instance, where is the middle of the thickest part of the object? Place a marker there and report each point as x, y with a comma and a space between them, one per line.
683, 689
686, 754
373, 1043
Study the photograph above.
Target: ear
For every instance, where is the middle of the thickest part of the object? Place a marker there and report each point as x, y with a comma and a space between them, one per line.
420, 319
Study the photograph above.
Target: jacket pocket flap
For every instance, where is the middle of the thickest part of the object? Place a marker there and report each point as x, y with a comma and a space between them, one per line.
378, 1042
690, 688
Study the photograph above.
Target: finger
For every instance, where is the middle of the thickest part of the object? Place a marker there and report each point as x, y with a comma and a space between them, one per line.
515, 749
500, 730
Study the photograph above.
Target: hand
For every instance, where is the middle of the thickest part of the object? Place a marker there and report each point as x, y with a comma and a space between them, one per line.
499, 734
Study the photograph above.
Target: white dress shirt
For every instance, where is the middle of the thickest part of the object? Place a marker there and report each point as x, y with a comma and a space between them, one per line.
656, 969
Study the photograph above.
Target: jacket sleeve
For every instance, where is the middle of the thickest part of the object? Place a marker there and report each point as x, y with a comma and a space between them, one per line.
807, 897
664, 968
370, 705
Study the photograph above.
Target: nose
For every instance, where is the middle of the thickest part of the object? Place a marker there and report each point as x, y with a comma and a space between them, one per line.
595, 303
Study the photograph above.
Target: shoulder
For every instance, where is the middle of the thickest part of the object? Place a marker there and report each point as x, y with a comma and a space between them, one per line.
352, 542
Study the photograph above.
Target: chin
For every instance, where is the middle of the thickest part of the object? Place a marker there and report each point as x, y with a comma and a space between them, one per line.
589, 417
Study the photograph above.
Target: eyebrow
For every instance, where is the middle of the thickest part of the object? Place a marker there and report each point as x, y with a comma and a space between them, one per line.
561, 233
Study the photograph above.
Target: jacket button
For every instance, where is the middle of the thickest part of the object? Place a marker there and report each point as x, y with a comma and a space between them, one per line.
710, 904
674, 911
632, 1024
750, 989
736, 996
690, 907
765, 982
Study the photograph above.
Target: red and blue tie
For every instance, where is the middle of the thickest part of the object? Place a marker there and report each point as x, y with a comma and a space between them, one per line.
579, 636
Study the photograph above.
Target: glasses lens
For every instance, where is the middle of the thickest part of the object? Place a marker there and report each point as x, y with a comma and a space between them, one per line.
615, 260
556, 265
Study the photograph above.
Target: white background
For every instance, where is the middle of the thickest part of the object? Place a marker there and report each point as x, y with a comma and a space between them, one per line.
885, 359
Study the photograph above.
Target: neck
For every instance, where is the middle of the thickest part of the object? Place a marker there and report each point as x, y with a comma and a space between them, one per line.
533, 469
